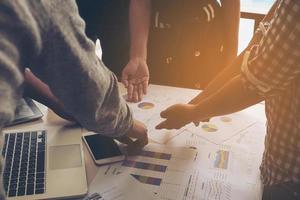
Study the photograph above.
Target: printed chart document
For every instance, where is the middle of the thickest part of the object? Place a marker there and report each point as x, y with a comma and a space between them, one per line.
229, 171
163, 171
122, 188
224, 173
211, 172
217, 160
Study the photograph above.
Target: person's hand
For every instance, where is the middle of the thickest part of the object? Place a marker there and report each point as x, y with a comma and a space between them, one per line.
135, 77
136, 138
177, 116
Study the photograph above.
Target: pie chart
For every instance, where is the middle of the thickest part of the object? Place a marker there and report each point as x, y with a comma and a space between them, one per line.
226, 119
146, 105
210, 128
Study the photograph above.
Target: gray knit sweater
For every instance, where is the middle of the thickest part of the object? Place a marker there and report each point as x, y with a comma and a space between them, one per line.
48, 37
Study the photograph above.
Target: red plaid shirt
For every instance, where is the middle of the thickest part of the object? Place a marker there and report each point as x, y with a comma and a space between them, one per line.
273, 71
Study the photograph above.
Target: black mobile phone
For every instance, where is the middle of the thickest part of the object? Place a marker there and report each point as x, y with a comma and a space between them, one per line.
104, 150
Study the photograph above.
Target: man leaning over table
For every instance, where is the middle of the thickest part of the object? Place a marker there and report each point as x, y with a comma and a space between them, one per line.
48, 37
269, 71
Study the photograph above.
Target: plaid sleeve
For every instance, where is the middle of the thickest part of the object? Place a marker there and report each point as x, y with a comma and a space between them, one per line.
274, 63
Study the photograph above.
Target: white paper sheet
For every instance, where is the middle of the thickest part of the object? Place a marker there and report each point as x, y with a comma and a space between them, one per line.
214, 172
225, 173
251, 139
162, 170
223, 164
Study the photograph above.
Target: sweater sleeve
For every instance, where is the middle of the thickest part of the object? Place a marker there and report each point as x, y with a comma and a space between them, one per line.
273, 65
19, 42
68, 64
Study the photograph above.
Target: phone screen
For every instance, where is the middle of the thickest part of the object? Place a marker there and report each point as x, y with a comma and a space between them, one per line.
102, 147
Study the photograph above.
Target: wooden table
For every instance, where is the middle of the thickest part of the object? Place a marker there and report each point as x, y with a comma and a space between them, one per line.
256, 111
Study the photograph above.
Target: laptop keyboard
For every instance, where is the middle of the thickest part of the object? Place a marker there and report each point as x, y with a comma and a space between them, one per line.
24, 155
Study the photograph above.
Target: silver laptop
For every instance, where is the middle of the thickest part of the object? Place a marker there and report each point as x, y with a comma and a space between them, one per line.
44, 163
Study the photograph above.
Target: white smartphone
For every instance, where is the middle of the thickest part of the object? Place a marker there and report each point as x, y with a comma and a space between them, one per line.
104, 150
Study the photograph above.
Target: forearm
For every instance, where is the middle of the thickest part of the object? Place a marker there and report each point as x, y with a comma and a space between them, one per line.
139, 22
227, 74
232, 70
232, 97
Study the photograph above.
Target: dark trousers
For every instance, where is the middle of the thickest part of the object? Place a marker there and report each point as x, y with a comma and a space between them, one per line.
284, 191
108, 21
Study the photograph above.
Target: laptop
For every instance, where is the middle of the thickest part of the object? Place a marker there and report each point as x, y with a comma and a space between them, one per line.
26, 111
44, 162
